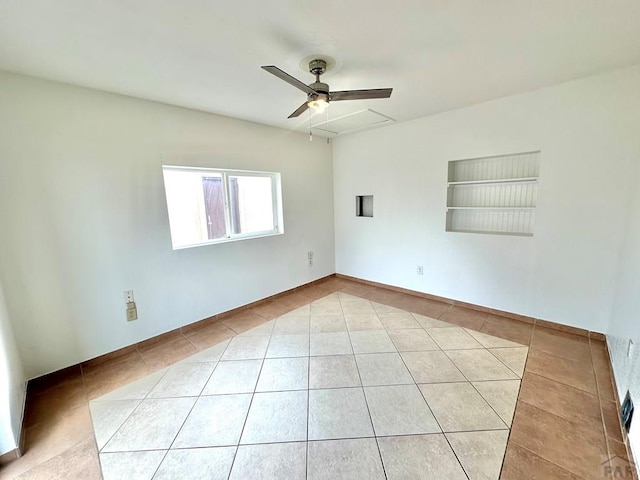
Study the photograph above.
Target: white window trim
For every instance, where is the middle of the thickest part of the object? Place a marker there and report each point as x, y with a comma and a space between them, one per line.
276, 193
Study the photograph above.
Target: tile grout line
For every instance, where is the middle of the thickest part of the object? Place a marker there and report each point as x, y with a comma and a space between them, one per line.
204, 447
177, 433
506, 447
306, 458
513, 418
507, 366
549, 413
563, 384
491, 406
507, 428
442, 432
601, 409
246, 418
146, 397
88, 403
373, 428
320, 388
141, 400
548, 461
467, 381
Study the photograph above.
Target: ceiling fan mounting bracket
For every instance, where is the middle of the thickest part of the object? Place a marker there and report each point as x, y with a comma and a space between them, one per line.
317, 67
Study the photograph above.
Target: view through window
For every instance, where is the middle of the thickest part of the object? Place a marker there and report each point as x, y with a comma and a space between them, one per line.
208, 205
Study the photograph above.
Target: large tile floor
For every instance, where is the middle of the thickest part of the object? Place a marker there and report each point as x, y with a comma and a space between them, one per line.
341, 387
394, 383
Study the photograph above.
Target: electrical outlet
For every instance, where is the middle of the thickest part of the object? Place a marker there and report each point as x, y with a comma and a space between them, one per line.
128, 296
420, 270
132, 312
626, 412
310, 258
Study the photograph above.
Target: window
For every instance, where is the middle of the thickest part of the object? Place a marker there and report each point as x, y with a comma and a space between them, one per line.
209, 205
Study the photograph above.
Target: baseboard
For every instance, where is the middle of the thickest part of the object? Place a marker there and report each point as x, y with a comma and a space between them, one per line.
493, 311
9, 457
58, 375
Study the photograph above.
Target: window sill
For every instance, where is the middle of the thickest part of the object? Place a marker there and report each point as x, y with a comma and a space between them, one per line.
228, 240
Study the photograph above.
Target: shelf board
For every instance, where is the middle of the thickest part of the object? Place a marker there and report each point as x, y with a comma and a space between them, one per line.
497, 180
491, 208
508, 234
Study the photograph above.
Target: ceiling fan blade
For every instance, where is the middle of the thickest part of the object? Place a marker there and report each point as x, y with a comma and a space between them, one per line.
282, 75
361, 94
302, 108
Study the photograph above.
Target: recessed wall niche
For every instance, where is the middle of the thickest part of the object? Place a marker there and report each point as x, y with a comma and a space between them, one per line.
495, 195
364, 206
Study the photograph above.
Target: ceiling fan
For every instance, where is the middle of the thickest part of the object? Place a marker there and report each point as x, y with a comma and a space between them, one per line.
318, 93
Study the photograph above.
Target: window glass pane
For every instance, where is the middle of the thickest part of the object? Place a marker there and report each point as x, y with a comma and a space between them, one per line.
189, 213
251, 204
208, 205
213, 192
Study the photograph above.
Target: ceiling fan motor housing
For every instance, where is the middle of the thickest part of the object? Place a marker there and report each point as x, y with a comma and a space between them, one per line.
318, 67
323, 92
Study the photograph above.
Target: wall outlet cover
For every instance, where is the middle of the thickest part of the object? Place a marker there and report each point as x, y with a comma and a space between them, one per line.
626, 411
132, 312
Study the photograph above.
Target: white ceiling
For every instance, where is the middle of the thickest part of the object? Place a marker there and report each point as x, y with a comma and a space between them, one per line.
437, 54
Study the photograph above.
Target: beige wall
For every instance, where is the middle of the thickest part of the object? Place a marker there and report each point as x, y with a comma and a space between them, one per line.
84, 218
587, 131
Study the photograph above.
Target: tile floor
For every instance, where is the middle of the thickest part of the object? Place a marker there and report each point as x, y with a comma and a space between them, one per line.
366, 357
341, 387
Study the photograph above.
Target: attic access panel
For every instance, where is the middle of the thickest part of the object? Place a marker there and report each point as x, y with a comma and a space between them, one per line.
353, 121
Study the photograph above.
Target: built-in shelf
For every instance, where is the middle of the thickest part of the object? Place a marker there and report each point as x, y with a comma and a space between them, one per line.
494, 195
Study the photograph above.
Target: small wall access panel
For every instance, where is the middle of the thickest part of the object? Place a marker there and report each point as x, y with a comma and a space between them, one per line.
364, 206
495, 195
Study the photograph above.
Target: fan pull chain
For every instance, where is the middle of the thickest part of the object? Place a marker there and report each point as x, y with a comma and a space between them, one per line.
327, 124
310, 133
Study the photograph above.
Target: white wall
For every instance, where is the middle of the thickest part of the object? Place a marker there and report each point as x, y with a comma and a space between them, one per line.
587, 131
625, 319
84, 218
12, 391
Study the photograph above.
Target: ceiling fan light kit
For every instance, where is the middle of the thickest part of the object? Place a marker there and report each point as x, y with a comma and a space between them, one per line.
319, 96
319, 103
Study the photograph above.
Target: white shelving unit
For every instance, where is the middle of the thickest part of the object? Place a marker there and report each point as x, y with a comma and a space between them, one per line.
495, 195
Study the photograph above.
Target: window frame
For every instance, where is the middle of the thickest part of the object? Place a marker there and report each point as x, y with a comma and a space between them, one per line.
276, 201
